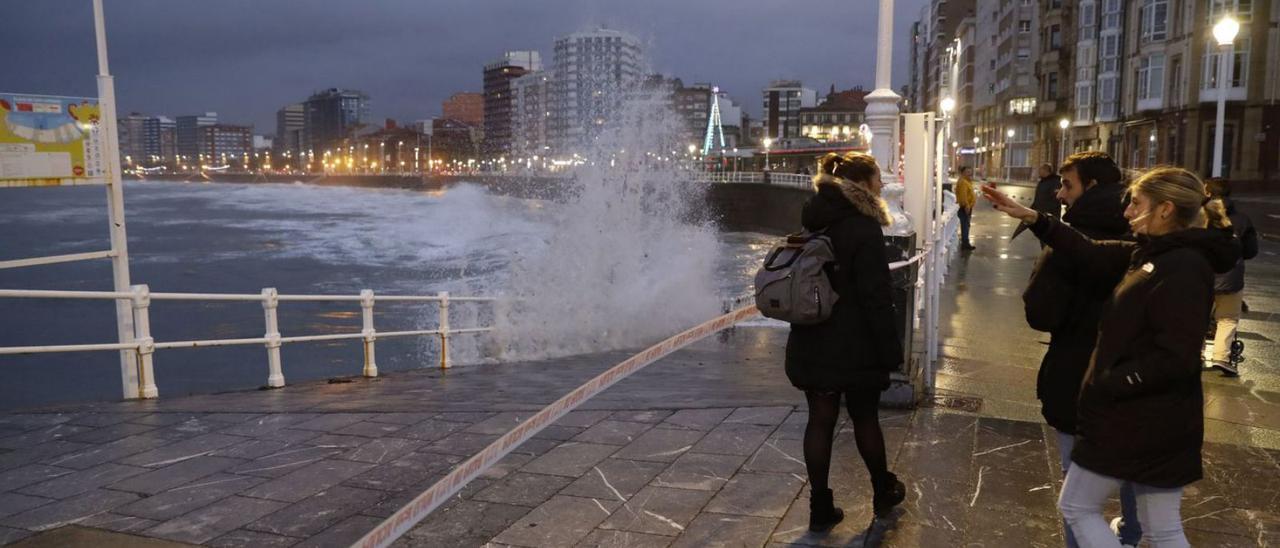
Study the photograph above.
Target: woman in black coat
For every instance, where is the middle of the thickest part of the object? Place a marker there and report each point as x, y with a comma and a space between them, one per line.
852, 353
1140, 412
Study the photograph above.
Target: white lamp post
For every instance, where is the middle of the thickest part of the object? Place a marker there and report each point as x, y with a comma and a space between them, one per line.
767, 142
1225, 33
947, 104
1008, 146
1062, 124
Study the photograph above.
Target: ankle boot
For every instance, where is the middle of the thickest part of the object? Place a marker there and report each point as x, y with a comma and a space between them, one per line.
823, 515
889, 492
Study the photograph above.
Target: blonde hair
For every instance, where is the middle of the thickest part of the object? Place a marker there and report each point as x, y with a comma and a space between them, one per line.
1192, 204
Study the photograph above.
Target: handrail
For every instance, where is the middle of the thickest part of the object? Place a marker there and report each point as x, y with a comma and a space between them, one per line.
145, 346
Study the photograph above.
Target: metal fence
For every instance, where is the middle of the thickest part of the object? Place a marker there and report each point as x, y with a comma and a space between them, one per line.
144, 346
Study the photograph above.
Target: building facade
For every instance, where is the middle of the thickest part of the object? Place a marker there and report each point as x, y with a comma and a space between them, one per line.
466, 107
222, 144
591, 73
837, 118
783, 100
499, 99
290, 124
332, 117
188, 133
531, 113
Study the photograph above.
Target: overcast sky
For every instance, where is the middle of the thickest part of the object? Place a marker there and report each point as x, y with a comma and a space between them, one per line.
246, 58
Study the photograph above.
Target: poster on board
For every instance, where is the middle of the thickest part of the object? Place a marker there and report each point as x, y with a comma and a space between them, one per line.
49, 140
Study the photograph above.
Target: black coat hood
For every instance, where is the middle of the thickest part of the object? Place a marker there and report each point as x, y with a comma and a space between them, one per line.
826, 207
1218, 246
1099, 212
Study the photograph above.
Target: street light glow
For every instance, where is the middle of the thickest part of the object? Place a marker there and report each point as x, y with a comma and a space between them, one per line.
1226, 29
948, 104
1063, 123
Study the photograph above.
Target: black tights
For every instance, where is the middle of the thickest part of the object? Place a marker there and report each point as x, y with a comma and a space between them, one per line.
824, 411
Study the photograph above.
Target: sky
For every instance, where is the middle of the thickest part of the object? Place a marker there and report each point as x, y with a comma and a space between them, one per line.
244, 59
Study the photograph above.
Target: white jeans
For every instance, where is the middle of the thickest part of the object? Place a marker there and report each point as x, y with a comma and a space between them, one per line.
1085, 492
1226, 310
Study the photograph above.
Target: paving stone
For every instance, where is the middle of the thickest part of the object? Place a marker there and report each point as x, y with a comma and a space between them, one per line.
331, 421
582, 419
214, 520
9, 535
499, 424
793, 427
614, 479
14, 503
468, 417
606, 538
197, 494
793, 530
370, 429
561, 521
162, 419
42, 452
69, 510
251, 449
506, 466
183, 450
523, 489
345, 533
174, 475
613, 432
431, 430
466, 523
262, 427
734, 439
293, 437
570, 459
404, 472
700, 471
231, 418
697, 419
111, 433
336, 440
32, 421
535, 447
286, 461
241, 538
102, 419
649, 416
84, 480
400, 499
461, 443
42, 435
17, 478
318, 512
658, 511
761, 495
778, 455
765, 416
404, 419
1002, 445
558, 433
724, 530
307, 481
94, 455
381, 450
660, 444
1013, 528
1015, 490
118, 523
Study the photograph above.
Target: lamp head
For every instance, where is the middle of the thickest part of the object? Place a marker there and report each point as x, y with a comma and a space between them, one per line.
1063, 123
948, 104
1225, 30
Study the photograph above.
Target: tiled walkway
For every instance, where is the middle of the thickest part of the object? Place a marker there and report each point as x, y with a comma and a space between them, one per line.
702, 448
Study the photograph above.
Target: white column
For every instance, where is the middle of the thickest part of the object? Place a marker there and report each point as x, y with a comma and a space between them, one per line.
115, 206
882, 118
1225, 61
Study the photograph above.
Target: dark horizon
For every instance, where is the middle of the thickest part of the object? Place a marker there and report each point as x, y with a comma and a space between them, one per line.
245, 60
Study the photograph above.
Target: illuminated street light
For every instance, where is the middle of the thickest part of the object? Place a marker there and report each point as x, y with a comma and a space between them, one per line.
1225, 33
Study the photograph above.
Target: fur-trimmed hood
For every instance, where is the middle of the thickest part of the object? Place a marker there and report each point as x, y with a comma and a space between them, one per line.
859, 196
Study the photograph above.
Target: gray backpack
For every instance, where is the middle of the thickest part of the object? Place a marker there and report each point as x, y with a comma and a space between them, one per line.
792, 286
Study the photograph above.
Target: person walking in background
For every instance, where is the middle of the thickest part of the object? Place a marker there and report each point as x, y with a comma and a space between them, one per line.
966, 198
1228, 287
1141, 406
1046, 199
850, 354
1059, 301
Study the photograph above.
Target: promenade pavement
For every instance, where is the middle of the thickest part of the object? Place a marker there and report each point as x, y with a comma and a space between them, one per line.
700, 449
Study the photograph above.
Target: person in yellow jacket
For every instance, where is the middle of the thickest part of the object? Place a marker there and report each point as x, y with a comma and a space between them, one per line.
966, 199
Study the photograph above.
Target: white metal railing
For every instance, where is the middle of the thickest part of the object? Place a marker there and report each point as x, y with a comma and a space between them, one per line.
145, 346
767, 177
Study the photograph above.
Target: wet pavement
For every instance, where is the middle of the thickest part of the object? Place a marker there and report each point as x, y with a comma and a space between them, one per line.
701, 448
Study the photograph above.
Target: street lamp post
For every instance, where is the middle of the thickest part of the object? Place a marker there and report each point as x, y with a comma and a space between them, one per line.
1225, 33
947, 105
1062, 156
767, 143
1008, 146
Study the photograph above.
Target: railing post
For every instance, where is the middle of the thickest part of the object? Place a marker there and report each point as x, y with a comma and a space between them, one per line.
270, 302
370, 335
146, 345
445, 362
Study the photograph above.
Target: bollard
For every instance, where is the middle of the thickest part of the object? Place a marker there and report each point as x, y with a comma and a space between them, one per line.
445, 362
270, 302
370, 335
146, 345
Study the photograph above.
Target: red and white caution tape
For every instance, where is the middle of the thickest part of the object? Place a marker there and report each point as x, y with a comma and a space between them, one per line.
405, 518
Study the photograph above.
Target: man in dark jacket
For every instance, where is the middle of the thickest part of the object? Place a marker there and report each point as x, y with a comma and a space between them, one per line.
1046, 199
1228, 287
1060, 301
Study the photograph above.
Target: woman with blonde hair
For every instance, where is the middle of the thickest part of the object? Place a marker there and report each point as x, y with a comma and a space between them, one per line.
850, 354
1140, 411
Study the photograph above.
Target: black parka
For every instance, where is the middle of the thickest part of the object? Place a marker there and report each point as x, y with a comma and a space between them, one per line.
1141, 408
1062, 302
1242, 226
859, 345
1046, 197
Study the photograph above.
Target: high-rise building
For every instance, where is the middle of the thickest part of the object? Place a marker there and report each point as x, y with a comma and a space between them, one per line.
225, 143
837, 118
133, 139
188, 133
530, 114
783, 100
290, 123
332, 117
591, 73
499, 97
168, 139
465, 107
